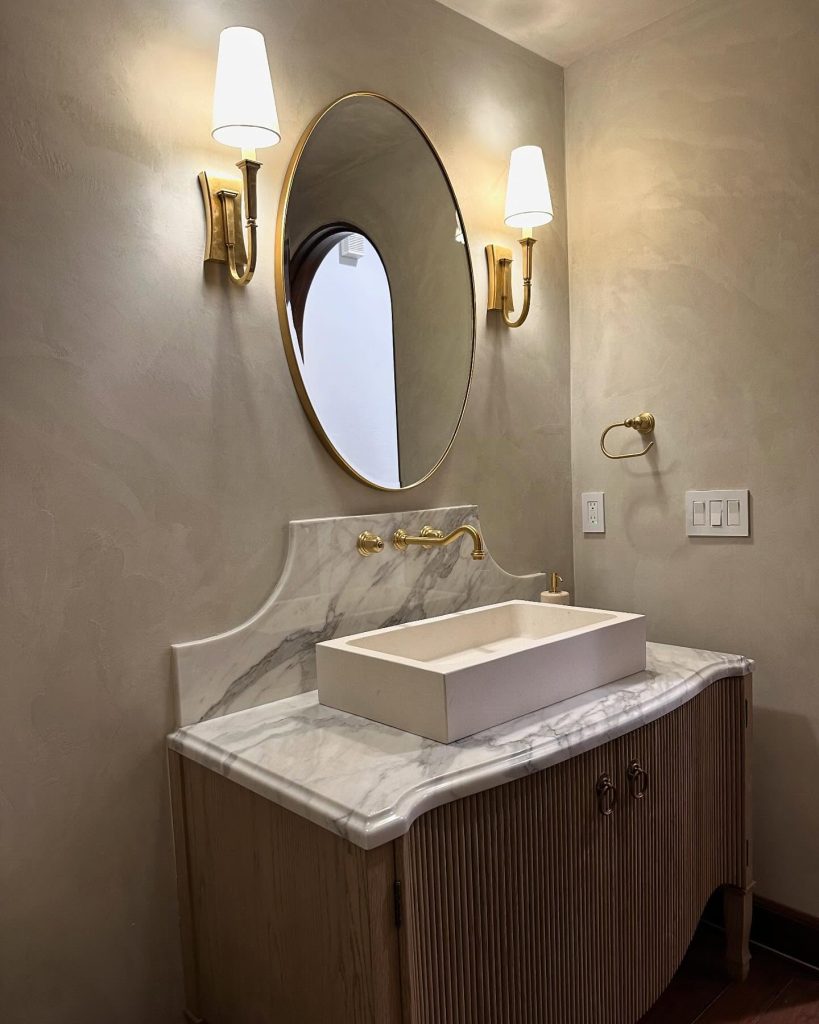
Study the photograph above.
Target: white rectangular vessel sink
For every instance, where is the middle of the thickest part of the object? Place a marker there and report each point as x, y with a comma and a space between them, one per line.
454, 675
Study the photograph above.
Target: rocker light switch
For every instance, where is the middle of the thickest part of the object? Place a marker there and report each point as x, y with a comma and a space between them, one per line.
717, 513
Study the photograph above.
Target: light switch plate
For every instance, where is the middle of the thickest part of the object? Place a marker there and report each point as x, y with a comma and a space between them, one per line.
593, 504
727, 509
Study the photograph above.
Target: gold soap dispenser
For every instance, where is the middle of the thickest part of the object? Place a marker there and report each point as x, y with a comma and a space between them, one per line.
554, 595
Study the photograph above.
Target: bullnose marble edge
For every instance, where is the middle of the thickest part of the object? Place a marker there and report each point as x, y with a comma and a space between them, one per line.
367, 782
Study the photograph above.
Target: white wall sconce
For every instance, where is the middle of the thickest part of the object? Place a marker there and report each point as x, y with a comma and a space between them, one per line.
528, 205
244, 115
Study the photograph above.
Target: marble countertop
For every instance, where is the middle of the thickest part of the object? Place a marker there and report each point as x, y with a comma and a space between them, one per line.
368, 782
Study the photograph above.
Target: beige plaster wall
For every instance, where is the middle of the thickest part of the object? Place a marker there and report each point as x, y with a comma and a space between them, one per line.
693, 161
153, 448
565, 30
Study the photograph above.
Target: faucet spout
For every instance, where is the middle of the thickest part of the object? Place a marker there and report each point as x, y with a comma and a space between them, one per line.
432, 538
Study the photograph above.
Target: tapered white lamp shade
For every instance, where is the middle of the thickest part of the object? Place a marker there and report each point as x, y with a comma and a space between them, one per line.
528, 202
244, 108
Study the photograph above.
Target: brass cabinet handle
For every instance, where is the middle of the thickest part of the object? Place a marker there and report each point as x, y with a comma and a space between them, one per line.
606, 794
637, 779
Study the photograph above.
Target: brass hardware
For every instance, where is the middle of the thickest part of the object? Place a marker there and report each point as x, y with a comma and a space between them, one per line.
369, 544
223, 214
554, 583
431, 532
637, 779
215, 248
290, 343
499, 267
431, 538
644, 423
497, 257
606, 794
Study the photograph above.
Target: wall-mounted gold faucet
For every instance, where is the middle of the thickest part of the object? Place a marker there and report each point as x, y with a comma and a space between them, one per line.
432, 538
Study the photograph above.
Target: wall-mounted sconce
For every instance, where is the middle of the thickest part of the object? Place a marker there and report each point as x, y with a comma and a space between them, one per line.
244, 115
528, 205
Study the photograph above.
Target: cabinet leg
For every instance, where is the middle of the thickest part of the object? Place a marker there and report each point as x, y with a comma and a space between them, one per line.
738, 908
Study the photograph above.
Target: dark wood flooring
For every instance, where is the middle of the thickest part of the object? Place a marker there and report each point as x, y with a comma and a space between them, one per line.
778, 991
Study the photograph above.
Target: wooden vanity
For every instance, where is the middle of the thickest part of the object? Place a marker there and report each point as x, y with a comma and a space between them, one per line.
567, 895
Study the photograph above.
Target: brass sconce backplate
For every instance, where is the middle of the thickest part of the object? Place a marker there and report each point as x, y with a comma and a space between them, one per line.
497, 271
215, 248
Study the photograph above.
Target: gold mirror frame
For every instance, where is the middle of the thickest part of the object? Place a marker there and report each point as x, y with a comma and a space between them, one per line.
281, 293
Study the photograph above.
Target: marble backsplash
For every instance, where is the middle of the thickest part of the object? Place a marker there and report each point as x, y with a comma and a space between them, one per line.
328, 590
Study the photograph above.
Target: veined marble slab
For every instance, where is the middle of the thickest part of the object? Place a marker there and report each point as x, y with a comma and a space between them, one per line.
368, 782
328, 590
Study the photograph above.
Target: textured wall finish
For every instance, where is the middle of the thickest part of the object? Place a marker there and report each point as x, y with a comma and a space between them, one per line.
693, 160
154, 448
565, 30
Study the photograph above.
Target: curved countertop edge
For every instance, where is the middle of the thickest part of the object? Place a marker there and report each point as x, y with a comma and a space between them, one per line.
540, 741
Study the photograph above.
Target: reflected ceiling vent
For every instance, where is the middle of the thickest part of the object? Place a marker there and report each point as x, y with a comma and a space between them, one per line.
351, 249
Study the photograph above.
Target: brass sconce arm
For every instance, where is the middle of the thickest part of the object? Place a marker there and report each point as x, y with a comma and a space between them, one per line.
231, 215
527, 242
432, 538
644, 424
499, 264
225, 241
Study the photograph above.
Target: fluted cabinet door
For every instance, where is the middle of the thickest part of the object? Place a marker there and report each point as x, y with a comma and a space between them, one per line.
683, 830
528, 903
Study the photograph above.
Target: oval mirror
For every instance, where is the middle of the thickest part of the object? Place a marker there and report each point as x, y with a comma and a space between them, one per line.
375, 292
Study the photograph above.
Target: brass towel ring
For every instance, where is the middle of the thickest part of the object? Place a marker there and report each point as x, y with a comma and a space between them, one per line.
643, 424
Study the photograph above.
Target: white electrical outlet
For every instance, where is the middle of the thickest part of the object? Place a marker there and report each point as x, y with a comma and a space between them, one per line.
593, 505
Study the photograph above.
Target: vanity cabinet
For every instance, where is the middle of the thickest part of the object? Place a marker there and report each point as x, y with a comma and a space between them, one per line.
568, 895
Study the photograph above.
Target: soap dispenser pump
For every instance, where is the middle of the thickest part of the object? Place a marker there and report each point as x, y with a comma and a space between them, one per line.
554, 595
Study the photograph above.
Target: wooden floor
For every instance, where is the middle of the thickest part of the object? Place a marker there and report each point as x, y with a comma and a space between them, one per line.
778, 991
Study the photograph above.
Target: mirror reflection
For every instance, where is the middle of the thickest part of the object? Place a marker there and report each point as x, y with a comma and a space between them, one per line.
376, 286
347, 324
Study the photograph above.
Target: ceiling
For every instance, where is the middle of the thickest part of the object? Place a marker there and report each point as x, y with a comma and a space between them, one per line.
565, 30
